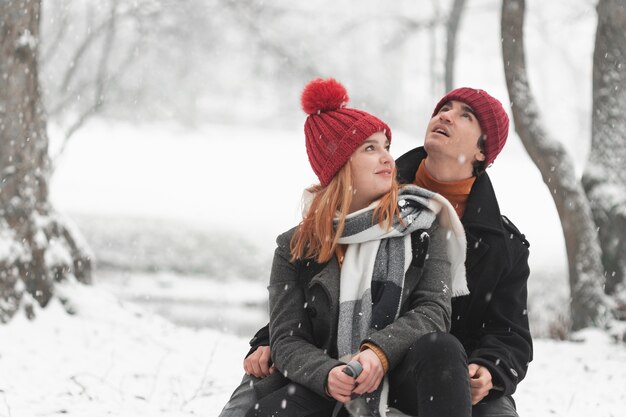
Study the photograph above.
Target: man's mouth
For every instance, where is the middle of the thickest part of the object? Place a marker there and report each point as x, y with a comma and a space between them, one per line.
441, 131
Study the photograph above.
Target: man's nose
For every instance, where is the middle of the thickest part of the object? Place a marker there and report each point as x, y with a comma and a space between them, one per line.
445, 116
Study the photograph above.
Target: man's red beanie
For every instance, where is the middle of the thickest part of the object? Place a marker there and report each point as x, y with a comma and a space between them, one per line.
492, 118
332, 131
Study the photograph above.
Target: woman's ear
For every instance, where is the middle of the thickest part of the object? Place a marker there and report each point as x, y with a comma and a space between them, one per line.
479, 156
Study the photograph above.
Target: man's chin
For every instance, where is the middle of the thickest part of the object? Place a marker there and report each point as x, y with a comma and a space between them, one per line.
432, 146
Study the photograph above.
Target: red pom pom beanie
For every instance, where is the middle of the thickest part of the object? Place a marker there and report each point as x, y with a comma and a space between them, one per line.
491, 116
333, 131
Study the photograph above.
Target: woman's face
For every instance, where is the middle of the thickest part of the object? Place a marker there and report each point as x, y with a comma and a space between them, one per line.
372, 171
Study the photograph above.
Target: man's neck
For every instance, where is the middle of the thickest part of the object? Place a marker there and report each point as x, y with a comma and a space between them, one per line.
447, 169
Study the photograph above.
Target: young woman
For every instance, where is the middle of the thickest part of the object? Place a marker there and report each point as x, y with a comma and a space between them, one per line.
367, 276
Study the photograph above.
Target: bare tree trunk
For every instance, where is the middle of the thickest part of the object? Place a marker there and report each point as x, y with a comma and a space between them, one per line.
588, 302
38, 250
605, 177
452, 28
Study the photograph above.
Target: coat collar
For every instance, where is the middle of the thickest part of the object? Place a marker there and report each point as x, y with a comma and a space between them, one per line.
328, 278
482, 209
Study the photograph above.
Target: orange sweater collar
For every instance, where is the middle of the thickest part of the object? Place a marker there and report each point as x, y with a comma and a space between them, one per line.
456, 192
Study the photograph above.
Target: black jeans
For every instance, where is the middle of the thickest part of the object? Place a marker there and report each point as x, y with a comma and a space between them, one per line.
431, 380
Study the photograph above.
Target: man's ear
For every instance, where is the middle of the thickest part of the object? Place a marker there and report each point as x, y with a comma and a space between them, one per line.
479, 156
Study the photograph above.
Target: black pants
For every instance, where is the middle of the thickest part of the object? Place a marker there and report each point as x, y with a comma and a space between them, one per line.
431, 380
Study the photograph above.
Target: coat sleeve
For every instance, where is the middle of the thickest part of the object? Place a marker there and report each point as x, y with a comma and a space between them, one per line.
429, 307
291, 336
261, 338
505, 344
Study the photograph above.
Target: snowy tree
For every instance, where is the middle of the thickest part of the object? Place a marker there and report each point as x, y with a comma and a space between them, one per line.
605, 177
37, 248
589, 304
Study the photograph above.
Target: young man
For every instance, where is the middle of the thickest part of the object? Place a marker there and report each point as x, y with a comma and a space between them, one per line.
467, 131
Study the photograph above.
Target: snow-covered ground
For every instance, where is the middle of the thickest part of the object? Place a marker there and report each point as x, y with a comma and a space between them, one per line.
112, 358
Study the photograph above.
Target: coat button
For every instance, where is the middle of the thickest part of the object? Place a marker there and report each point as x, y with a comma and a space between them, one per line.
311, 311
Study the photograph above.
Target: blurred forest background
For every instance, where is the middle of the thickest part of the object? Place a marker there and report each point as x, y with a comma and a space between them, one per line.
237, 61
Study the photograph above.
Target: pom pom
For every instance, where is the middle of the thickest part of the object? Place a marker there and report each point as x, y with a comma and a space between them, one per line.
323, 95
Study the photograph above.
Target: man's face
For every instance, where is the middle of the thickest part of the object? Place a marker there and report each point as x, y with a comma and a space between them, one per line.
453, 133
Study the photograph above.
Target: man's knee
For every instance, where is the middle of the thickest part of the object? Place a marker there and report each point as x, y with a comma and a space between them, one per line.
435, 355
437, 346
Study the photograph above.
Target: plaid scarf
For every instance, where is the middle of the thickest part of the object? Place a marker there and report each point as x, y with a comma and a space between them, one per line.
375, 262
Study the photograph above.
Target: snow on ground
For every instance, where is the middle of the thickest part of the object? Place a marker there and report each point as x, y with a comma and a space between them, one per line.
112, 358
575, 379
235, 306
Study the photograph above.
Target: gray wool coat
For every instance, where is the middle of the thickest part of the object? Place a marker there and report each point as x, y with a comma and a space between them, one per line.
304, 310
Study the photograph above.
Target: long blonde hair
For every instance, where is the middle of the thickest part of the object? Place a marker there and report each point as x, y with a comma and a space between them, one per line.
316, 237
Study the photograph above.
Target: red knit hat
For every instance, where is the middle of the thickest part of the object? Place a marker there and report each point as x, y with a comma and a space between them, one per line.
492, 118
332, 131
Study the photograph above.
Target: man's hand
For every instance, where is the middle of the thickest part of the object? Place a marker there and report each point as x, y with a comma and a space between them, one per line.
340, 385
258, 363
480, 382
372, 374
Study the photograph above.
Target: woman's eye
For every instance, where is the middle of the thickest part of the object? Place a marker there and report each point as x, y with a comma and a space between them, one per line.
370, 148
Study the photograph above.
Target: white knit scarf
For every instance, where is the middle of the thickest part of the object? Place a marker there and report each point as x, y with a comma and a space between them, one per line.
376, 261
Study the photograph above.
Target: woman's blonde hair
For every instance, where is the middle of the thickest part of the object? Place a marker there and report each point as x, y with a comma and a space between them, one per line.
316, 237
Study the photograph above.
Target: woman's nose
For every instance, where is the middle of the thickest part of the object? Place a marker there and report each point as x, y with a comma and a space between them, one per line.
386, 157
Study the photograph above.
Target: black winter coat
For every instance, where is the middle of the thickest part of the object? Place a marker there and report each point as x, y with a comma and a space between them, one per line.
491, 322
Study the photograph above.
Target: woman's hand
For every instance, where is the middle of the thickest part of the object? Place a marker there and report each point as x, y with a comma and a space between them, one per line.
258, 363
340, 385
372, 374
